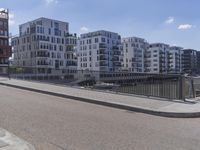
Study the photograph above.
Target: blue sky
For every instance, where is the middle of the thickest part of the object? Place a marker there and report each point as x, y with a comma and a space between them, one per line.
175, 22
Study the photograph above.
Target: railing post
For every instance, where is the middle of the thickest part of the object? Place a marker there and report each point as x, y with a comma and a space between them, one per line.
182, 88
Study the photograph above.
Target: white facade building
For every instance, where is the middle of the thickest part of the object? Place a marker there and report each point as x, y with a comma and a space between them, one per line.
175, 59
133, 54
46, 45
156, 58
99, 51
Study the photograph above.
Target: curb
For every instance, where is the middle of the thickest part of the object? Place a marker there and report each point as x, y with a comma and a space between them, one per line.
113, 105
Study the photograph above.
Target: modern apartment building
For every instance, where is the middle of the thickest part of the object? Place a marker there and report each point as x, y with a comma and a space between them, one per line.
133, 52
189, 63
99, 51
156, 58
5, 49
175, 60
198, 61
45, 45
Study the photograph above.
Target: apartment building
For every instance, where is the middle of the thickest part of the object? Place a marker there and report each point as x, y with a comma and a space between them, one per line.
5, 49
45, 45
189, 63
156, 58
133, 50
99, 51
175, 60
198, 61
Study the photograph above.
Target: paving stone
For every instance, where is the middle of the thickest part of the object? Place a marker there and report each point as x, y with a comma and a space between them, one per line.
3, 144
2, 133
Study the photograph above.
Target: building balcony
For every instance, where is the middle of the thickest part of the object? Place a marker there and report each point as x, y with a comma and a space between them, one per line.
103, 58
42, 63
116, 53
44, 55
102, 52
102, 45
4, 36
147, 56
115, 60
103, 64
115, 48
117, 64
147, 65
71, 64
69, 50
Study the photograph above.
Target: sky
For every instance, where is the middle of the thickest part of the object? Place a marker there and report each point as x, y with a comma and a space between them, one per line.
174, 22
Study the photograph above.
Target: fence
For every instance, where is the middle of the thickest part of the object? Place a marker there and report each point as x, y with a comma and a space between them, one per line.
192, 87
156, 85
4, 71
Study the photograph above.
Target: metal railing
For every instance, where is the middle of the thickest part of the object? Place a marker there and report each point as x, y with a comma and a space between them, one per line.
192, 87
156, 85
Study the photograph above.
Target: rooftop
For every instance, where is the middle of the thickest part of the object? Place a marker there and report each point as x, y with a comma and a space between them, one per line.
43, 18
98, 33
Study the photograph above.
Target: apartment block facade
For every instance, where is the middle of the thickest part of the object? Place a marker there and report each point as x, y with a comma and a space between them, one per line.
175, 60
133, 51
99, 51
198, 62
156, 58
189, 63
46, 45
5, 48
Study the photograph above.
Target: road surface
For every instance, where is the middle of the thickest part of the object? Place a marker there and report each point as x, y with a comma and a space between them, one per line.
52, 123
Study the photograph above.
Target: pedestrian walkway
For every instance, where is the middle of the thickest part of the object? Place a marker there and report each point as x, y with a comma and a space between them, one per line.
11, 142
154, 106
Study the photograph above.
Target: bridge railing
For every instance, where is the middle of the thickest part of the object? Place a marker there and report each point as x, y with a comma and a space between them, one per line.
4, 71
170, 86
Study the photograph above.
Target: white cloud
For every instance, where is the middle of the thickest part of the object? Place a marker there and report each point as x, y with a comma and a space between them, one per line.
51, 1
185, 26
170, 20
84, 29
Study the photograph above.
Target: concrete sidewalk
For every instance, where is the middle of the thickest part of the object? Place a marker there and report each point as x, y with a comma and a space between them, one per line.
166, 108
11, 142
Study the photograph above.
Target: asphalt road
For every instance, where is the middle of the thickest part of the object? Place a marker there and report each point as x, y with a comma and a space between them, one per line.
52, 123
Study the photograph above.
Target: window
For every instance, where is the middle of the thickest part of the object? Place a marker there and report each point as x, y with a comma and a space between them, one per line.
28, 30
96, 40
57, 32
55, 47
56, 25
103, 40
49, 31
